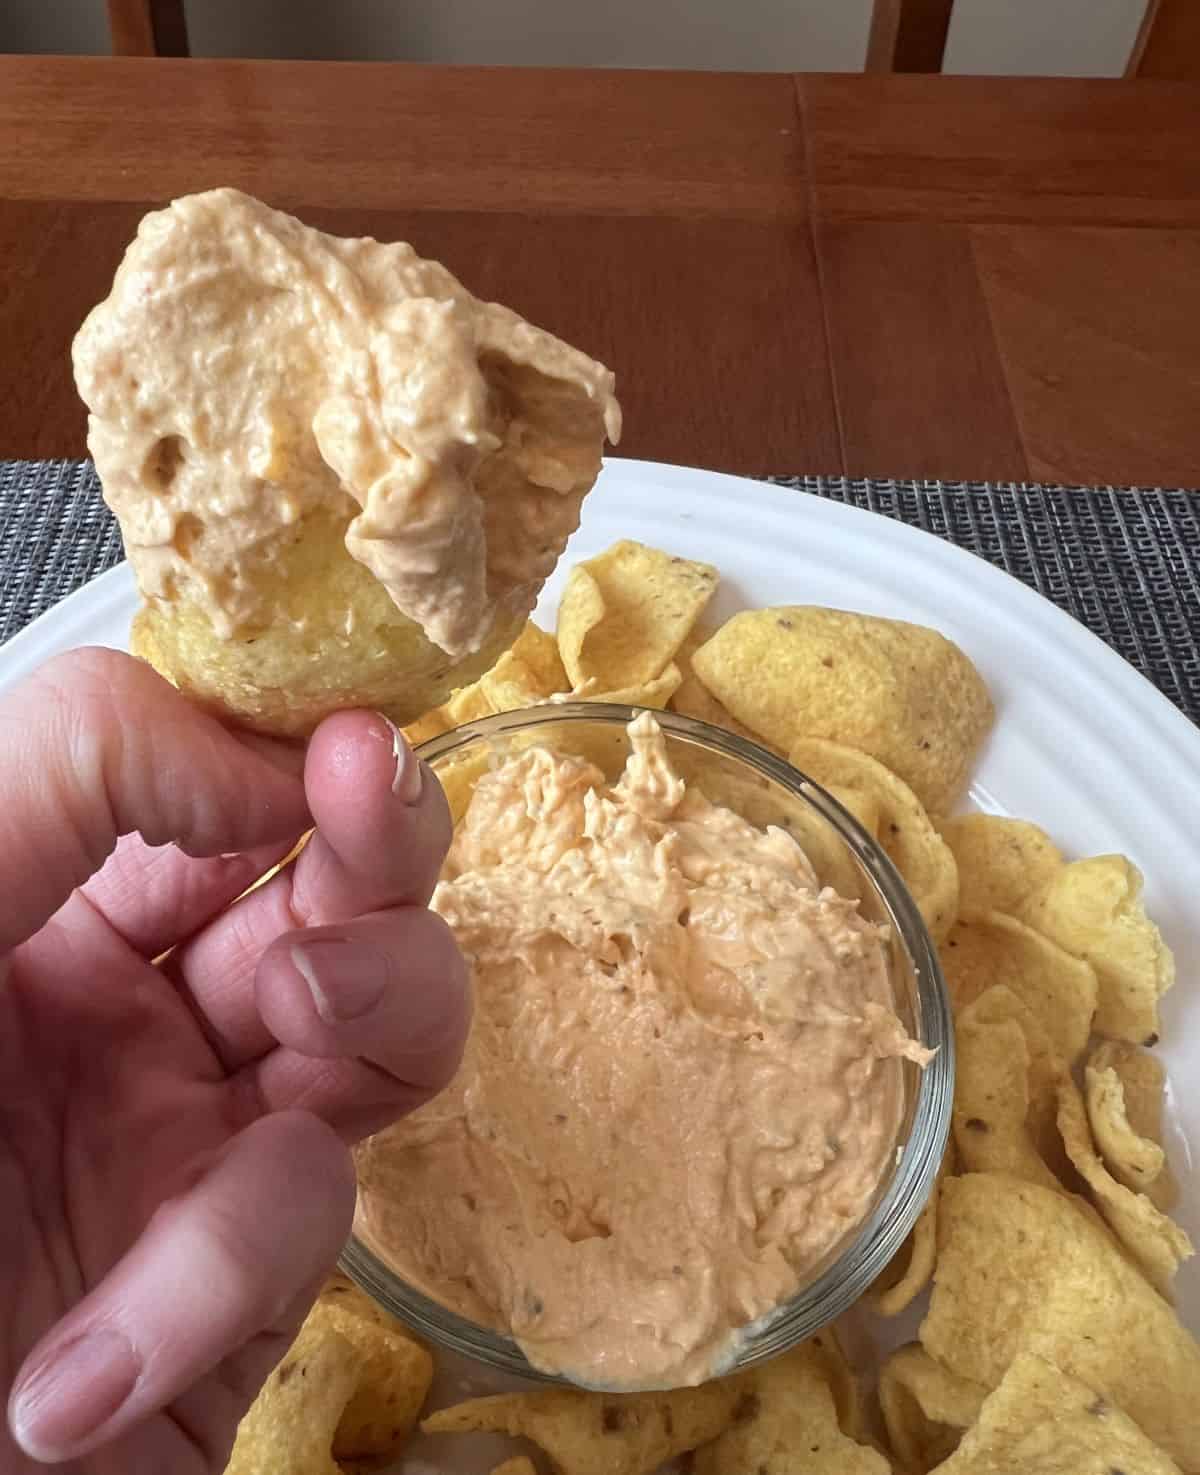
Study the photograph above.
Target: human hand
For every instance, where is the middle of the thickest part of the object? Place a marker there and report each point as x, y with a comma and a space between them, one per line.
175, 1177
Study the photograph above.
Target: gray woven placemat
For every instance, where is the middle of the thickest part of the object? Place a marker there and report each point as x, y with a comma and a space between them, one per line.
1123, 561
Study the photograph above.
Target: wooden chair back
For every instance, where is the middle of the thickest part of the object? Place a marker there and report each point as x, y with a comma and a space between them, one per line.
148, 27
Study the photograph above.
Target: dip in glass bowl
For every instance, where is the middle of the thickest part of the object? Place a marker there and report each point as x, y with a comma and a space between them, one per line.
710, 1077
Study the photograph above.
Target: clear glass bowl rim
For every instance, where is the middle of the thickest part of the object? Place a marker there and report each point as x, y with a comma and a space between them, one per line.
884, 1230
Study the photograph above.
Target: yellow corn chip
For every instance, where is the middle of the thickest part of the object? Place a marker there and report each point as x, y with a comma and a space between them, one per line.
693, 699
580, 610
655, 693
1125, 1109
1059, 989
843, 1382
648, 602
925, 1407
991, 1098
998, 1007
915, 848
900, 692
601, 1433
432, 724
1042, 1421
1020, 1269
866, 807
537, 649
1093, 909
1001, 862
1135, 1161
910, 1271
290, 1426
791, 1425
1156, 1243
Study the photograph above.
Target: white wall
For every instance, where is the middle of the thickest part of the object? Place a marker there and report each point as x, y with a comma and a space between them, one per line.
1049, 37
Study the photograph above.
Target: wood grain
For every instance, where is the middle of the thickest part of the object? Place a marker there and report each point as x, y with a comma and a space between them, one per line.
393, 136
1003, 280
919, 386
1168, 42
1097, 333
974, 149
716, 336
908, 35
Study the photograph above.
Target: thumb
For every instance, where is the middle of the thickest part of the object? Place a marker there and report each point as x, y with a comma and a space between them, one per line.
213, 1270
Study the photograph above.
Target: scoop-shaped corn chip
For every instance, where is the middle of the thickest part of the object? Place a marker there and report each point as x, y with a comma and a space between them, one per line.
902, 693
992, 1097
1093, 908
537, 649
693, 699
998, 1007
1042, 1421
1058, 988
289, 1429
1125, 1108
912, 1268
915, 848
925, 1407
790, 1427
1021, 1269
1156, 1243
601, 1433
523, 676
843, 1382
580, 610
656, 692
1001, 861
627, 611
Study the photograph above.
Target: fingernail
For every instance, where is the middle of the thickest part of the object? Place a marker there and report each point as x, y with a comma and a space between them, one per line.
70, 1395
346, 979
406, 785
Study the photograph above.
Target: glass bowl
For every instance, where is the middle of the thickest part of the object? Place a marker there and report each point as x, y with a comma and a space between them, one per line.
765, 790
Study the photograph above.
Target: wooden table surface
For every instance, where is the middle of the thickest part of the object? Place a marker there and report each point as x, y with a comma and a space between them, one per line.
893, 276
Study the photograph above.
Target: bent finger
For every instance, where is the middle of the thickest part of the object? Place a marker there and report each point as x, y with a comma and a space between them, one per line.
155, 895
97, 745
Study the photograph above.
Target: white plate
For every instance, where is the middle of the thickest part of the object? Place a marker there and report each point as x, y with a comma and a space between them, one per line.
1083, 744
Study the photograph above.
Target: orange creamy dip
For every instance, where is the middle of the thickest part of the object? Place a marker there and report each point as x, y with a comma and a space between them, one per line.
247, 372
680, 1090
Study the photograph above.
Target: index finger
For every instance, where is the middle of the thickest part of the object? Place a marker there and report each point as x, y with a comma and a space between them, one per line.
97, 745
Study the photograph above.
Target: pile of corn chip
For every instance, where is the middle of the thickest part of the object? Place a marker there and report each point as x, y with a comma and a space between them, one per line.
1049, 1345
